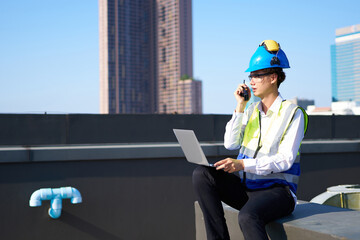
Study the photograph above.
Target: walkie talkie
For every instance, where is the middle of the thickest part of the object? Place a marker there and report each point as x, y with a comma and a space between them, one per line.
245, 94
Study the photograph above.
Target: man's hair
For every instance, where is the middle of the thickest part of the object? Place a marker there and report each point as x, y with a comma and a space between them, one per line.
280, 74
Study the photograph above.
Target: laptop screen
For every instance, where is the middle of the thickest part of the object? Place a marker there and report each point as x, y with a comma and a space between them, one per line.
191, 147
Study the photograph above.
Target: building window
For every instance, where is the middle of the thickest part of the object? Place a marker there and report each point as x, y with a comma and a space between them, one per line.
162, 13
113, 55
164, 83
121, 49
113, 83
123, 71
122, 90
164, 108
163, 55
123, 108
133, 95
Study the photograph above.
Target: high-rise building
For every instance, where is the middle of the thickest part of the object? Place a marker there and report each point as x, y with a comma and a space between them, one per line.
189, 97
345, 64
145, 51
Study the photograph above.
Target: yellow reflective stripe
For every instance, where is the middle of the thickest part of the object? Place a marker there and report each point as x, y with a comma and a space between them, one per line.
292, 114
252, 129
306, 119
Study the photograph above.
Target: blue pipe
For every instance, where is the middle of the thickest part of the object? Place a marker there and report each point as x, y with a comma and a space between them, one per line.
55, 195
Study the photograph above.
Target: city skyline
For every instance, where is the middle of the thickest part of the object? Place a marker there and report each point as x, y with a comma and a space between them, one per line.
345, 61
49, 60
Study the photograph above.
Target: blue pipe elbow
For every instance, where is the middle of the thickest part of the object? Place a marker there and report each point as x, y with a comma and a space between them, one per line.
76, 196
54, 213
55, 195
55, 207
39, 195
35, 199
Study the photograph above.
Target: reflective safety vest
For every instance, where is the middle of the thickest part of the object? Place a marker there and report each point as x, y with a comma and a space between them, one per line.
255, 146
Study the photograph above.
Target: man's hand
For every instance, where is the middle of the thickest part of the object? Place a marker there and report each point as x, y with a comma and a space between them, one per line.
230, 165
241, 103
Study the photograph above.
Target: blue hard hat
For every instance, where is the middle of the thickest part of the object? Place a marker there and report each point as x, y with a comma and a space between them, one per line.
268, 56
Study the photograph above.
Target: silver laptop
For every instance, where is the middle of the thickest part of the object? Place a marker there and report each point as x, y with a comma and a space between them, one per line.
191, 147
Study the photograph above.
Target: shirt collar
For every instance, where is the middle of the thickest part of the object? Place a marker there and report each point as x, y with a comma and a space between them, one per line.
275, 107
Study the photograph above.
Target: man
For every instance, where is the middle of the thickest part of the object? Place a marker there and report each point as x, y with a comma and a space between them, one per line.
266, 172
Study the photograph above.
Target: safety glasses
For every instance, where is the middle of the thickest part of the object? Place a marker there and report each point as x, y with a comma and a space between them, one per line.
258, 77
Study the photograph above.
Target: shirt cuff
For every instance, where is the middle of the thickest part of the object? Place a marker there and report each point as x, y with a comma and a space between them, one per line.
249, 165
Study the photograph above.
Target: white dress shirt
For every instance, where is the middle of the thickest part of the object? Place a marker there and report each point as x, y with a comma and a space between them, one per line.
288, 148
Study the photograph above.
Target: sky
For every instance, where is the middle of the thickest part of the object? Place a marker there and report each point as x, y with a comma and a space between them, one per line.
49, 50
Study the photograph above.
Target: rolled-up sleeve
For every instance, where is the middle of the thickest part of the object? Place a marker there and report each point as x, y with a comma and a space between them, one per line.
233, 131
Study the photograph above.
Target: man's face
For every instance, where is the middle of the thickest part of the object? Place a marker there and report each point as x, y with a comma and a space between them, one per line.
261, 82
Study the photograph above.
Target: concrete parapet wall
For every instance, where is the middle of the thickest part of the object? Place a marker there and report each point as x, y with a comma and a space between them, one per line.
309, 221
36, 129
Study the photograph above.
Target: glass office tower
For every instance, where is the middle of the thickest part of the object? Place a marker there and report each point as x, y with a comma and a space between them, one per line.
145, 50
345, 64
127, 82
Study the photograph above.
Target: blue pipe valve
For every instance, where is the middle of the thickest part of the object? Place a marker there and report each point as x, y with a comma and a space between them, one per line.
55, 195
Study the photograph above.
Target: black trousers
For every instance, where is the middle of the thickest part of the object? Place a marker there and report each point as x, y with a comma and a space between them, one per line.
256, 207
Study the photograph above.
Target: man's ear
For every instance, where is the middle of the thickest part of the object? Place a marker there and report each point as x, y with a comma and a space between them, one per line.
273, 78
